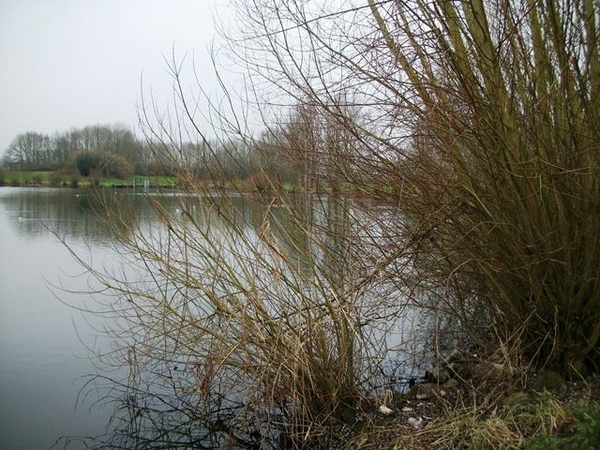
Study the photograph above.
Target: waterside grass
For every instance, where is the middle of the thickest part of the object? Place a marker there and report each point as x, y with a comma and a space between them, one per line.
526, 420
72, 178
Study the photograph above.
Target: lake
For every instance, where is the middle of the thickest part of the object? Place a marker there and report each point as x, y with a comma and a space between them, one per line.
44, 357
47, 341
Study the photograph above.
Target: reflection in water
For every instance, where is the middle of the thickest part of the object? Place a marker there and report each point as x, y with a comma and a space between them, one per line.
45, 340
76, 213
41, 357
234, 305
170, 380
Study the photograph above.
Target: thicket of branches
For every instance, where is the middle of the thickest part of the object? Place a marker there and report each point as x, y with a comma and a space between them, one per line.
480, 120
504, 168
470, 129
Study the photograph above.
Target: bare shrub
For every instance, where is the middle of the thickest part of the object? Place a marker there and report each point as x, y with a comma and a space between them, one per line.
505, 169
478, 120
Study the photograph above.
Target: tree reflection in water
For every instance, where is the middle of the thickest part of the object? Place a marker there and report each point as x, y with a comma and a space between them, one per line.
249, 322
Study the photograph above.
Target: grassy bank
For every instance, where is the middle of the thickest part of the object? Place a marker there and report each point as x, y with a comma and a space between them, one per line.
72, 179
567, 417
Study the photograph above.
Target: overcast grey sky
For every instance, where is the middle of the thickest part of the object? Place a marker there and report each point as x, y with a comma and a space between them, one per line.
71, 63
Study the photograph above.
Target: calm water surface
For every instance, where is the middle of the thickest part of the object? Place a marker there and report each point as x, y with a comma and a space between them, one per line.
43, 355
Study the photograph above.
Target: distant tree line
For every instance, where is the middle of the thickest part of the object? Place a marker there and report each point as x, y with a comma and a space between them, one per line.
296, 151
92, 148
